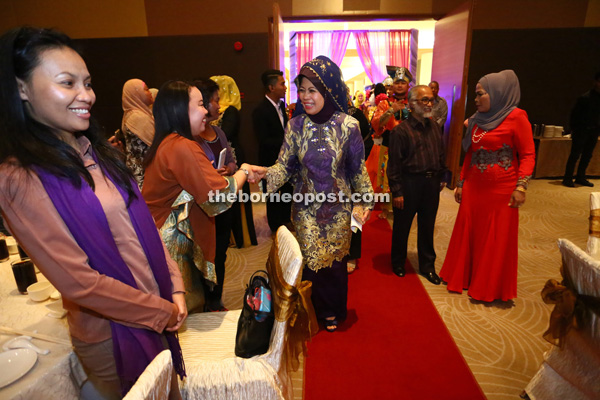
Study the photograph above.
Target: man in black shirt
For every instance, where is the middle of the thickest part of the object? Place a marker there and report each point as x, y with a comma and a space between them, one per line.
585, 127
415, 167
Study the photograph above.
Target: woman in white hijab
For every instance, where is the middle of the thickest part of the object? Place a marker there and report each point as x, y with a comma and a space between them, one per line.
137, 125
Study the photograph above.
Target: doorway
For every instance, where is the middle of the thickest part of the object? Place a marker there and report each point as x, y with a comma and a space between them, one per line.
351, 66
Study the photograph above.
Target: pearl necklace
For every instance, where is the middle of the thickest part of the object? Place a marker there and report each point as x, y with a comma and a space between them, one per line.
477, 138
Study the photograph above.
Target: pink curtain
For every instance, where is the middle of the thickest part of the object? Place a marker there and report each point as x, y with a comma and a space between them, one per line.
304, 49
339, 43
374, 71
301, 49
399, 48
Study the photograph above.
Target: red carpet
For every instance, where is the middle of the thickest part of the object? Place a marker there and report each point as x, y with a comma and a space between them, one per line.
393, 345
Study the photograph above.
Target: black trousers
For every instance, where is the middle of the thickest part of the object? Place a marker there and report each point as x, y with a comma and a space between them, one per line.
582, 145
422, 198
223, 223
279, 213
237, 224
355, 246
329, 290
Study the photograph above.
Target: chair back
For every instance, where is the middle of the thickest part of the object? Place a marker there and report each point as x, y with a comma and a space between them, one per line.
593, 244
290, 258
155, 381
584, 272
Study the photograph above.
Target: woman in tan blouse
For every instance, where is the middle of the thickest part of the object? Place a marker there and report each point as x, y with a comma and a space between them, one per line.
178, 184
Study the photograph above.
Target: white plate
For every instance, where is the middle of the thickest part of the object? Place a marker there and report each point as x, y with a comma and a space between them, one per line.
14, 364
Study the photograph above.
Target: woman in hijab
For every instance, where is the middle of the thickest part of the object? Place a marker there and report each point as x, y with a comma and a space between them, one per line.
230, 104
324, 154
500, 155
137, 125
359, 99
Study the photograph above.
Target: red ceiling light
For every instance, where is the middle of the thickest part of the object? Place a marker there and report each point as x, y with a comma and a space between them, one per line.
238, 46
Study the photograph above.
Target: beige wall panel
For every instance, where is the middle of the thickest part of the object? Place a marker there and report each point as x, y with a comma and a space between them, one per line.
336, 7
593, 14
79, 18
528, 14
196, 17
443, 7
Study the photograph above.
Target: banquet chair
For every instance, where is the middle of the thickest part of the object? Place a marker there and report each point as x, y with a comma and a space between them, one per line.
593, 244
155, 382
573, 370
208, 343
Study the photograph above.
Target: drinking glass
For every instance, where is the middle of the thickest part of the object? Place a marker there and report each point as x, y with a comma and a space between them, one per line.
22, 253
24, 273
4, 254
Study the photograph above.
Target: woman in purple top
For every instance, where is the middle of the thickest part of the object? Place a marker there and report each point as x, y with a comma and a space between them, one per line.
323, 157
213, 140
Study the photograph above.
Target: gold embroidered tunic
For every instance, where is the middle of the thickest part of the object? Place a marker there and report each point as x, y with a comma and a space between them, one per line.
325, 163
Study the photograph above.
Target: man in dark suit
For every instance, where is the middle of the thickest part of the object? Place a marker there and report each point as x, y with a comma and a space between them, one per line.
269, 120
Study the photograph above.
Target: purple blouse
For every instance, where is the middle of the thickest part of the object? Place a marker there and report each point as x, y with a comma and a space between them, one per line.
325, 162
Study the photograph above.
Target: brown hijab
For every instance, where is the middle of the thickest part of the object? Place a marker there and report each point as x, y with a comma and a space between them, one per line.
137, 116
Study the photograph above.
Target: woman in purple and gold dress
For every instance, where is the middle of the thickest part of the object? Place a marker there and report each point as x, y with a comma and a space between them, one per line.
323, 155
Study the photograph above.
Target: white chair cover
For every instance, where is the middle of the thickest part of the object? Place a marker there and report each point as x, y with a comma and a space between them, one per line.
573, 372
155, 381
593, 244
208, 343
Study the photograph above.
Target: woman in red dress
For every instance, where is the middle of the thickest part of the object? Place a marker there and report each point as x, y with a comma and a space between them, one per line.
483, 252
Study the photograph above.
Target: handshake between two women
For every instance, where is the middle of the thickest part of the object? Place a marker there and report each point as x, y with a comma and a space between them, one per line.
255, 172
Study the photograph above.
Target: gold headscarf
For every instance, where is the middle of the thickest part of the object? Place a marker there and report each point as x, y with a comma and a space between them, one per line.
357, 102
229, 94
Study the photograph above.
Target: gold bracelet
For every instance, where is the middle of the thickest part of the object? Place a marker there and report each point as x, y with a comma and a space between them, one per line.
521, 189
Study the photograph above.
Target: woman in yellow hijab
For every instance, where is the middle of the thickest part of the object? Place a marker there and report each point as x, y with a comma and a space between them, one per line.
230, 104
359, 99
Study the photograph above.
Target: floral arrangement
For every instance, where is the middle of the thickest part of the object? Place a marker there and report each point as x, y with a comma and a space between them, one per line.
380, 98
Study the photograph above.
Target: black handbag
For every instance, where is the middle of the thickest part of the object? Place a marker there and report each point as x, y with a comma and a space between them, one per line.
256, 320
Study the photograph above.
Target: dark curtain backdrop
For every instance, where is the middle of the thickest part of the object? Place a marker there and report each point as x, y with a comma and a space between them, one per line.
155, 60
554, 67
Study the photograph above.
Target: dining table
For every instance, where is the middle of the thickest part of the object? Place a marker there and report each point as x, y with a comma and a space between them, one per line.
54, 375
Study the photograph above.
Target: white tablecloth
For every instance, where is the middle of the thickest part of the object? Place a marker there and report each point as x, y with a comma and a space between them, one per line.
50, 378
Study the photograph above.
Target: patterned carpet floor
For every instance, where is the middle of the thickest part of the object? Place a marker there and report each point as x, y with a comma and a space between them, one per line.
501, 341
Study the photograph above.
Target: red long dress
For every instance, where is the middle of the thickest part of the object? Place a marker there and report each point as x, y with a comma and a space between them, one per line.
483, 252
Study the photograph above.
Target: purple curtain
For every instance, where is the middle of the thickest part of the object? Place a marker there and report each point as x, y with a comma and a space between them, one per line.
374, 72
339, 43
